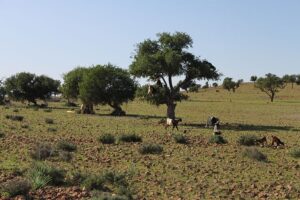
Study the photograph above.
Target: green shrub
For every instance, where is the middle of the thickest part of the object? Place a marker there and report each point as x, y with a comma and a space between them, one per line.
65, 156
25, 126
66, 146
14, 117
48, 110
130, 138
42, 152
49, 121
107, 196
14, 188
50, 129
217, 139
151, 149
93, 183
15, 110
295, 152
107, 139
75, 178
247, 140
181, 139
41, 175
2, 135
254, 154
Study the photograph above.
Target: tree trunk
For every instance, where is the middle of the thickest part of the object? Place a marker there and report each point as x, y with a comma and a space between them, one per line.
272, 97
87, 109
171, 110
117, 110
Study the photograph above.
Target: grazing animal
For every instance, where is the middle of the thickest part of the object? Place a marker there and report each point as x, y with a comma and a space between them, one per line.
276, 141
172, 122
211, 121
151, 90
216, 129
262, 141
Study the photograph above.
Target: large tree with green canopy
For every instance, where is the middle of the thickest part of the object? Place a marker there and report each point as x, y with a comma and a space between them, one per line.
109, 85
271, 84
164, 59
29, 87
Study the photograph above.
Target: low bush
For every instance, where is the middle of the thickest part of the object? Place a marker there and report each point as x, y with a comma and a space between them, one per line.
65, 156
48, 110
151, 149
42, 152
217, 139
14, 188
50, 129
130, 138
49, 121
25, 126
254, 154
41, 175
2, 135
66, 146
247, 140
295, 152
94, 183
180, 138
15, 117
75, 178
107, 139
15, 110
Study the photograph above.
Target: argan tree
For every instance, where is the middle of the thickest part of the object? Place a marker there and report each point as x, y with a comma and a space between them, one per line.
2, 93
30, 87
70, 87
164, 59
106, 84
215, 85
229, 84
271, 84
290, 79
253, 79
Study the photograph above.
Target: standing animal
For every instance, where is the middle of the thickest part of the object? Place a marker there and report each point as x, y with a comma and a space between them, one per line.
216, 129
172, 122
262, 141
211, 121
276, 141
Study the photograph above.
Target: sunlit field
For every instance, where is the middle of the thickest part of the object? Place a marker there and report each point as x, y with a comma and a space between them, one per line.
196, 170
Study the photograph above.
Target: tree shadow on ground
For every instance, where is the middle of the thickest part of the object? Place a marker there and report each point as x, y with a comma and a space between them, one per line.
244, 127
134, 116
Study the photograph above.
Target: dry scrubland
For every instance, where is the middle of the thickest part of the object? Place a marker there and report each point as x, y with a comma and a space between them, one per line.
197, 170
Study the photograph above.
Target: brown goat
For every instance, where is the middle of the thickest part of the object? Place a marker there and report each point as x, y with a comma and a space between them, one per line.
172, 122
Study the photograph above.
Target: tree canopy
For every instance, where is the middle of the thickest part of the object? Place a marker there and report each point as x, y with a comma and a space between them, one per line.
2, 92
253, 78
229, 84
271, 84
107, 84
165, 58
30, 87
290, 79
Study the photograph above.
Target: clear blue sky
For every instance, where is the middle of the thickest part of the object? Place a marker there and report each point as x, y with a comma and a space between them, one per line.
240, 37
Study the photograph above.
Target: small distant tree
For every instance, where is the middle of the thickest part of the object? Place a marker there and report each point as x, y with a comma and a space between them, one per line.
271, 84
215, 85
164, 59
206, 85
2, 93
194, 87
298, 79
253, 78
106, 84
290, 79
30, 87
229, 84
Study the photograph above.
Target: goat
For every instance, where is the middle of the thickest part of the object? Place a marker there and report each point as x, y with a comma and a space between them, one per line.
211, 121
276, 141
262, 141
172, 122
216, 129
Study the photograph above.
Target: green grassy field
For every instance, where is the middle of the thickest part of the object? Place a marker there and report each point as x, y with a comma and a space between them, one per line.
198, 170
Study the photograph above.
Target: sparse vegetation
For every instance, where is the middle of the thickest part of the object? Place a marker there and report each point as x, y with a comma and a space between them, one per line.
66, 146
217, 139
130, 138
247, 140
107, 138
14, 117
49, 121
180, 138
151, 149
13, 188
254, 154
42, 152
295, 152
